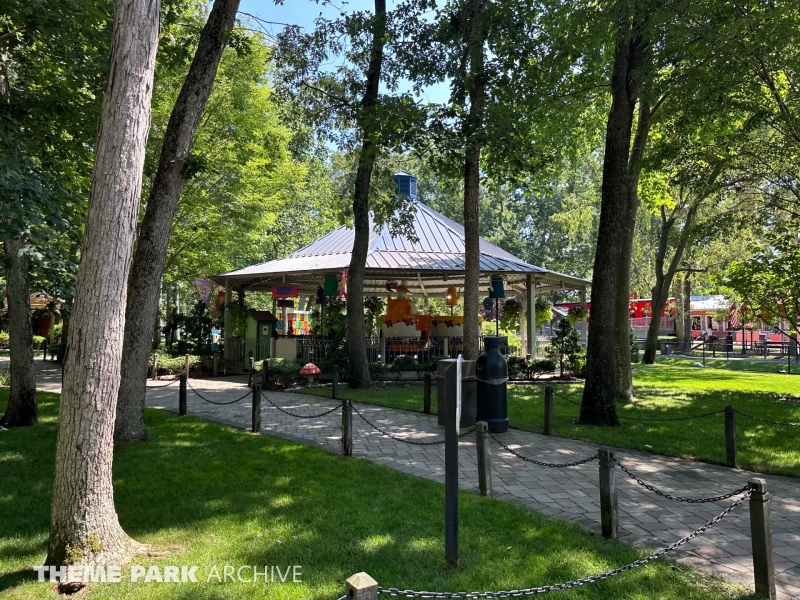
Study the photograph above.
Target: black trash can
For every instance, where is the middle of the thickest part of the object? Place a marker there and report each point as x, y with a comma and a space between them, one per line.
729, 342
492, 371
666, 347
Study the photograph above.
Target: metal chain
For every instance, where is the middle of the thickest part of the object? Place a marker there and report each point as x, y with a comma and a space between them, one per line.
700, 416
189, 385
404, 441
543, 464
680, 498
152, 387
744, 414
291, 414
575, 582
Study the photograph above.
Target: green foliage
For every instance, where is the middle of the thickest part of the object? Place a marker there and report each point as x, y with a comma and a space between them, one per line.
509, 317
576, 313
403, 362
520, 368
565, 349
634, 345
373, 307
544, 310
175, 365
280, 371
38, 341
4, 338
376, 369
431, 364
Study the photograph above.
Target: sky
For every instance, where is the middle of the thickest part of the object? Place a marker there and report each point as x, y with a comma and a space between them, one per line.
304, 12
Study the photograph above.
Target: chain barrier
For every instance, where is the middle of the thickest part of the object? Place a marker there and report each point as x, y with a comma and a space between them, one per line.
741, 490
542, 464
189, 385
749, 416
627, 418
575, 582
404, 441
153, 387
291, 414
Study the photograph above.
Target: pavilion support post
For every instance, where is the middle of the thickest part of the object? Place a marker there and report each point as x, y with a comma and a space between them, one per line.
226, 334
530, 289
584, 324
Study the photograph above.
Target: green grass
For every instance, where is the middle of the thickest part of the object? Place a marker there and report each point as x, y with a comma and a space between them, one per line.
671, 388
209, 495
748, 364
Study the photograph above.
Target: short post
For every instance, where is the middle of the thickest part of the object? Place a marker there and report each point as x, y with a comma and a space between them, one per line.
335, 386
154, 375
484, 458
216, 364
182, 396
704, 353
187, 366
265, 371
250, 372
761, 537
609, 516
44, 345
256, 409
730, 436
426, 394
451, 508
361, 587
548, 410
347, 428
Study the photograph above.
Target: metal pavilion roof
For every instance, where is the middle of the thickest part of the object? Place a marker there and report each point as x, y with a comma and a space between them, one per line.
428, 264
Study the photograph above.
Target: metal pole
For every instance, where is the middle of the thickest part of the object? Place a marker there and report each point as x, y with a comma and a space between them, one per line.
730, 436
347, 428
256, 420
182, 396
154, 375
426, 394
761, 537
548, 410
250, 373
335, 386
484, 458
609, 516
450, 471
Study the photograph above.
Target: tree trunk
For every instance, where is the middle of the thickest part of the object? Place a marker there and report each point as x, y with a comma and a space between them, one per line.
474, 35
151, 250
356, 329
84, 527
597, 406
22, 409
623, 380
687, 312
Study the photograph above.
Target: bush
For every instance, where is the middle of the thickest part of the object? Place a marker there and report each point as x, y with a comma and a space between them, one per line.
432, 364
285, 372
565, 348
403, 362
634, 348
541, 366
168, 365
517, 366
376, 369
38, 340
4, 338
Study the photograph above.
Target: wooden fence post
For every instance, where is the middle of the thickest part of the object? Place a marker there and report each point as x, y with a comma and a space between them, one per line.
347, 428
154, 375
761, 537
361, 587
256, 420
730, 436
426, 394
609, 516
548, 410
250, 373
182, 396
265, 371
484, 458
335, 385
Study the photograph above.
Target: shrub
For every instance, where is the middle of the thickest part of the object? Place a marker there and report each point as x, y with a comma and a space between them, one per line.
4, 338
168, 365
517, 367
281, 371
541, 366
5, 376
431, 364
403, 362
376, 369
565, 348
38, 340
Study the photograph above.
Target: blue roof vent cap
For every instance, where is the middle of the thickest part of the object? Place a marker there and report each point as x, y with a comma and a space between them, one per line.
406, 184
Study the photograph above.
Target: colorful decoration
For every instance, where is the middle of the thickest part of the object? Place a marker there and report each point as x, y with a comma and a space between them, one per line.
204, 287
220, 299
284, 291
331, 285
451, 297
343, 285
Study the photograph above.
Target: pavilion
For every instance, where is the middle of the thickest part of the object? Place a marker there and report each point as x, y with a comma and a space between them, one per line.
428, 261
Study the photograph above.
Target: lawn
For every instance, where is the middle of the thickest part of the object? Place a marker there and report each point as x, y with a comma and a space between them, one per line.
671, 388
210, 495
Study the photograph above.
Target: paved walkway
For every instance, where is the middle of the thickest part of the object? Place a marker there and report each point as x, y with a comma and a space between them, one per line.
570, 494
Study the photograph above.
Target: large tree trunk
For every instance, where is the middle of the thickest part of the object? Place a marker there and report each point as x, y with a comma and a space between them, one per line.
356, 329
151, 249
22, 409
623, 380
84, 527
474, 35
597, 406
